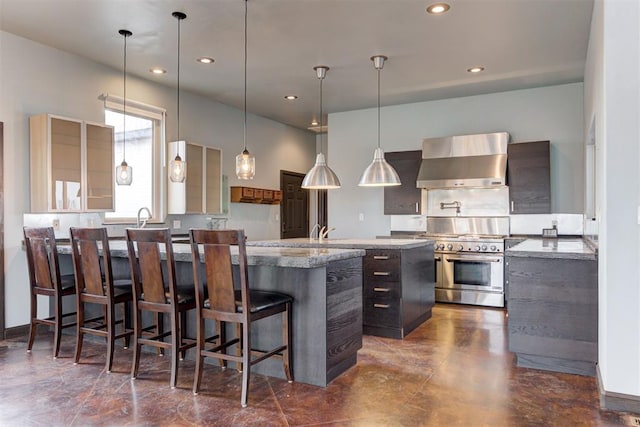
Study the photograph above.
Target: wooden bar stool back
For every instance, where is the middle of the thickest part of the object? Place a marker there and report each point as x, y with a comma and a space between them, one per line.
240, 306
95, 285
45, 279
155, 290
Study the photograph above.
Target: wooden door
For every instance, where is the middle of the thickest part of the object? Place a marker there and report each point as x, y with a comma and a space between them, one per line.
403, 199
529, 177
294, 208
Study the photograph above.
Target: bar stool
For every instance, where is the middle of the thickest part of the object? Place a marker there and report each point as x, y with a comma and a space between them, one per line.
157, 292
95, 284
225, 304
45, 279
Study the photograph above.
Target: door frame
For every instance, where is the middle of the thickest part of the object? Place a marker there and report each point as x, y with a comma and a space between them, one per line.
2, 295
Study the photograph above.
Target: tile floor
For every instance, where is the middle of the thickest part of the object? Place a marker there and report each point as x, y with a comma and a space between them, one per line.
453, 370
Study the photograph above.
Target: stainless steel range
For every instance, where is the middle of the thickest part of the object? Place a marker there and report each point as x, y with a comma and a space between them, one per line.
469, 267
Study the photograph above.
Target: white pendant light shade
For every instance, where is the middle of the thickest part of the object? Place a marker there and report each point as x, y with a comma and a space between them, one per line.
320, 177
379, 173
245, 161
245, 165
124, 172
178, 167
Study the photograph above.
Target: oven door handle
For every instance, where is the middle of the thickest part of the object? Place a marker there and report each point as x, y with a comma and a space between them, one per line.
477, 259
437, 258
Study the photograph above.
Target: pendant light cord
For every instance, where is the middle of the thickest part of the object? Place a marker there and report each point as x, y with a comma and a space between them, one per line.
378, 107
321, 135
178, 86
245, 77
124, 103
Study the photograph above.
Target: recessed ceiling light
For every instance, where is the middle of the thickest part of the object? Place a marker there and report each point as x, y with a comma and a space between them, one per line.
438, 8
314, 122
205, 60
157, 70
291, 97
475, 69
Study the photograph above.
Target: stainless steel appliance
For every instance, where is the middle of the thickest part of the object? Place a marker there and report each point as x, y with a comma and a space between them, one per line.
469, 255
465, 161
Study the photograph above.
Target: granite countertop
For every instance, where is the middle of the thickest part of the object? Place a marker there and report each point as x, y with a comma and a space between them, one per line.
344, 243
553, 248
264, 256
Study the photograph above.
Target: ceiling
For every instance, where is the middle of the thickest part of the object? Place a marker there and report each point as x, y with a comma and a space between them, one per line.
521, 44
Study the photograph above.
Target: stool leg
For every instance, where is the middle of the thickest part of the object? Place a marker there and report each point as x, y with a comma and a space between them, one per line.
175, 346
246, 361
79, 326
57, 329
287, 357
111, 334
33, 324
137, 332
197, 378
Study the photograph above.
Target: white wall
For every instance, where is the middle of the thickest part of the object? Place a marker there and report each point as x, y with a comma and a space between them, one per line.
550, 113
35, 78
612, 97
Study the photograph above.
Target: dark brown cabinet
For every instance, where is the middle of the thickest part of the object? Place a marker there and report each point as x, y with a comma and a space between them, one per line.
403, 199
398, 290
529, 177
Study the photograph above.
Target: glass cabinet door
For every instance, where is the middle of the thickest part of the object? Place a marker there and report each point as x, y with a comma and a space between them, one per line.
100, 179
66, 161
194, 179
213, 181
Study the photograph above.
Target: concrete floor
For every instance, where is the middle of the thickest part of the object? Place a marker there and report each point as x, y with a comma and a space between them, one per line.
453, 370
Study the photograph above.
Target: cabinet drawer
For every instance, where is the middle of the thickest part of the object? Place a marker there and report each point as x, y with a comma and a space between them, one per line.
382, 290
382, 312
381, 265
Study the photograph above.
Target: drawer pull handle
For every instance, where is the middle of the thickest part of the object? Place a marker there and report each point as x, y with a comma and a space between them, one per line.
381, 289
381, 273
381, 305
381, 257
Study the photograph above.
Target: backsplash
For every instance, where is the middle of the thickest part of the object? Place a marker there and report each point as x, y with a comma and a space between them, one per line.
567, 224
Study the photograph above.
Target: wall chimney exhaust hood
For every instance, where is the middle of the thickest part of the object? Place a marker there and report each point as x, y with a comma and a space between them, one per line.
464, 161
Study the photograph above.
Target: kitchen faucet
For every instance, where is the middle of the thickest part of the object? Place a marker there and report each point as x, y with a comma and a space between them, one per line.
144, 221
316, 226
451, 205
324, 233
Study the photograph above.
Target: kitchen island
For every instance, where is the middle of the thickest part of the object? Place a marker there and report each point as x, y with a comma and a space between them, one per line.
553, 305
326, 285
398, 280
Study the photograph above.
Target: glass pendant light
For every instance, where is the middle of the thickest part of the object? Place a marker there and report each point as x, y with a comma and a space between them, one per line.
245, 161
178, 167
379, 173
124, 172
320, 177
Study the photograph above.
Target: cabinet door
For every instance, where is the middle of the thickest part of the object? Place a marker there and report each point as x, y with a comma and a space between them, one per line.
66, 161
194, 183
403, 199
213, 184
100, 167
529, 177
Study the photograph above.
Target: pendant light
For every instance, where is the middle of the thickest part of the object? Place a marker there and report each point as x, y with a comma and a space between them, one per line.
124, 172
321, 177
178, 167
245, 161
379, 173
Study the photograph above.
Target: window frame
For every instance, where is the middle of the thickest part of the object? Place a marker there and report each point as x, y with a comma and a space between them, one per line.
158, 116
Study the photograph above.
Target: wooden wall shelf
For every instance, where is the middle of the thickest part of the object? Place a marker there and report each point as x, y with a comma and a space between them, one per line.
255, 195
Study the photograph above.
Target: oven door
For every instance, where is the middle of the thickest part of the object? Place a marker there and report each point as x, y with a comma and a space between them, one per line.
483, 272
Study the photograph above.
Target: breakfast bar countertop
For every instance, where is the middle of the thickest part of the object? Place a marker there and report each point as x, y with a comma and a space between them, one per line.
304, 242
553, 248
295, 257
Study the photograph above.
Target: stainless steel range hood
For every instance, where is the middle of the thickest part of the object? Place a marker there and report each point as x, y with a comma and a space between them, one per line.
464, 161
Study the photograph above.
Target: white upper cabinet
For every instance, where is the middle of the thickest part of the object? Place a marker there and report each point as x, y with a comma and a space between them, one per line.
201, 191
71, 165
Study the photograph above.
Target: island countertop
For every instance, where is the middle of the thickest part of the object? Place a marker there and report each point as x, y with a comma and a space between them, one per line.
271, 256
343, 243
553, 248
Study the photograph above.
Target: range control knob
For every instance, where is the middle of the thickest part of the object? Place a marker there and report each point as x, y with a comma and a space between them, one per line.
478, 248
460, 247
441, 246
493, 248
450, 247
484, 248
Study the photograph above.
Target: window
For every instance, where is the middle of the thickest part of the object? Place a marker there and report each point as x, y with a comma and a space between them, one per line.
144, 142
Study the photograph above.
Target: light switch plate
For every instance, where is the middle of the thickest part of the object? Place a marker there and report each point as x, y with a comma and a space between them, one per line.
176, 224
